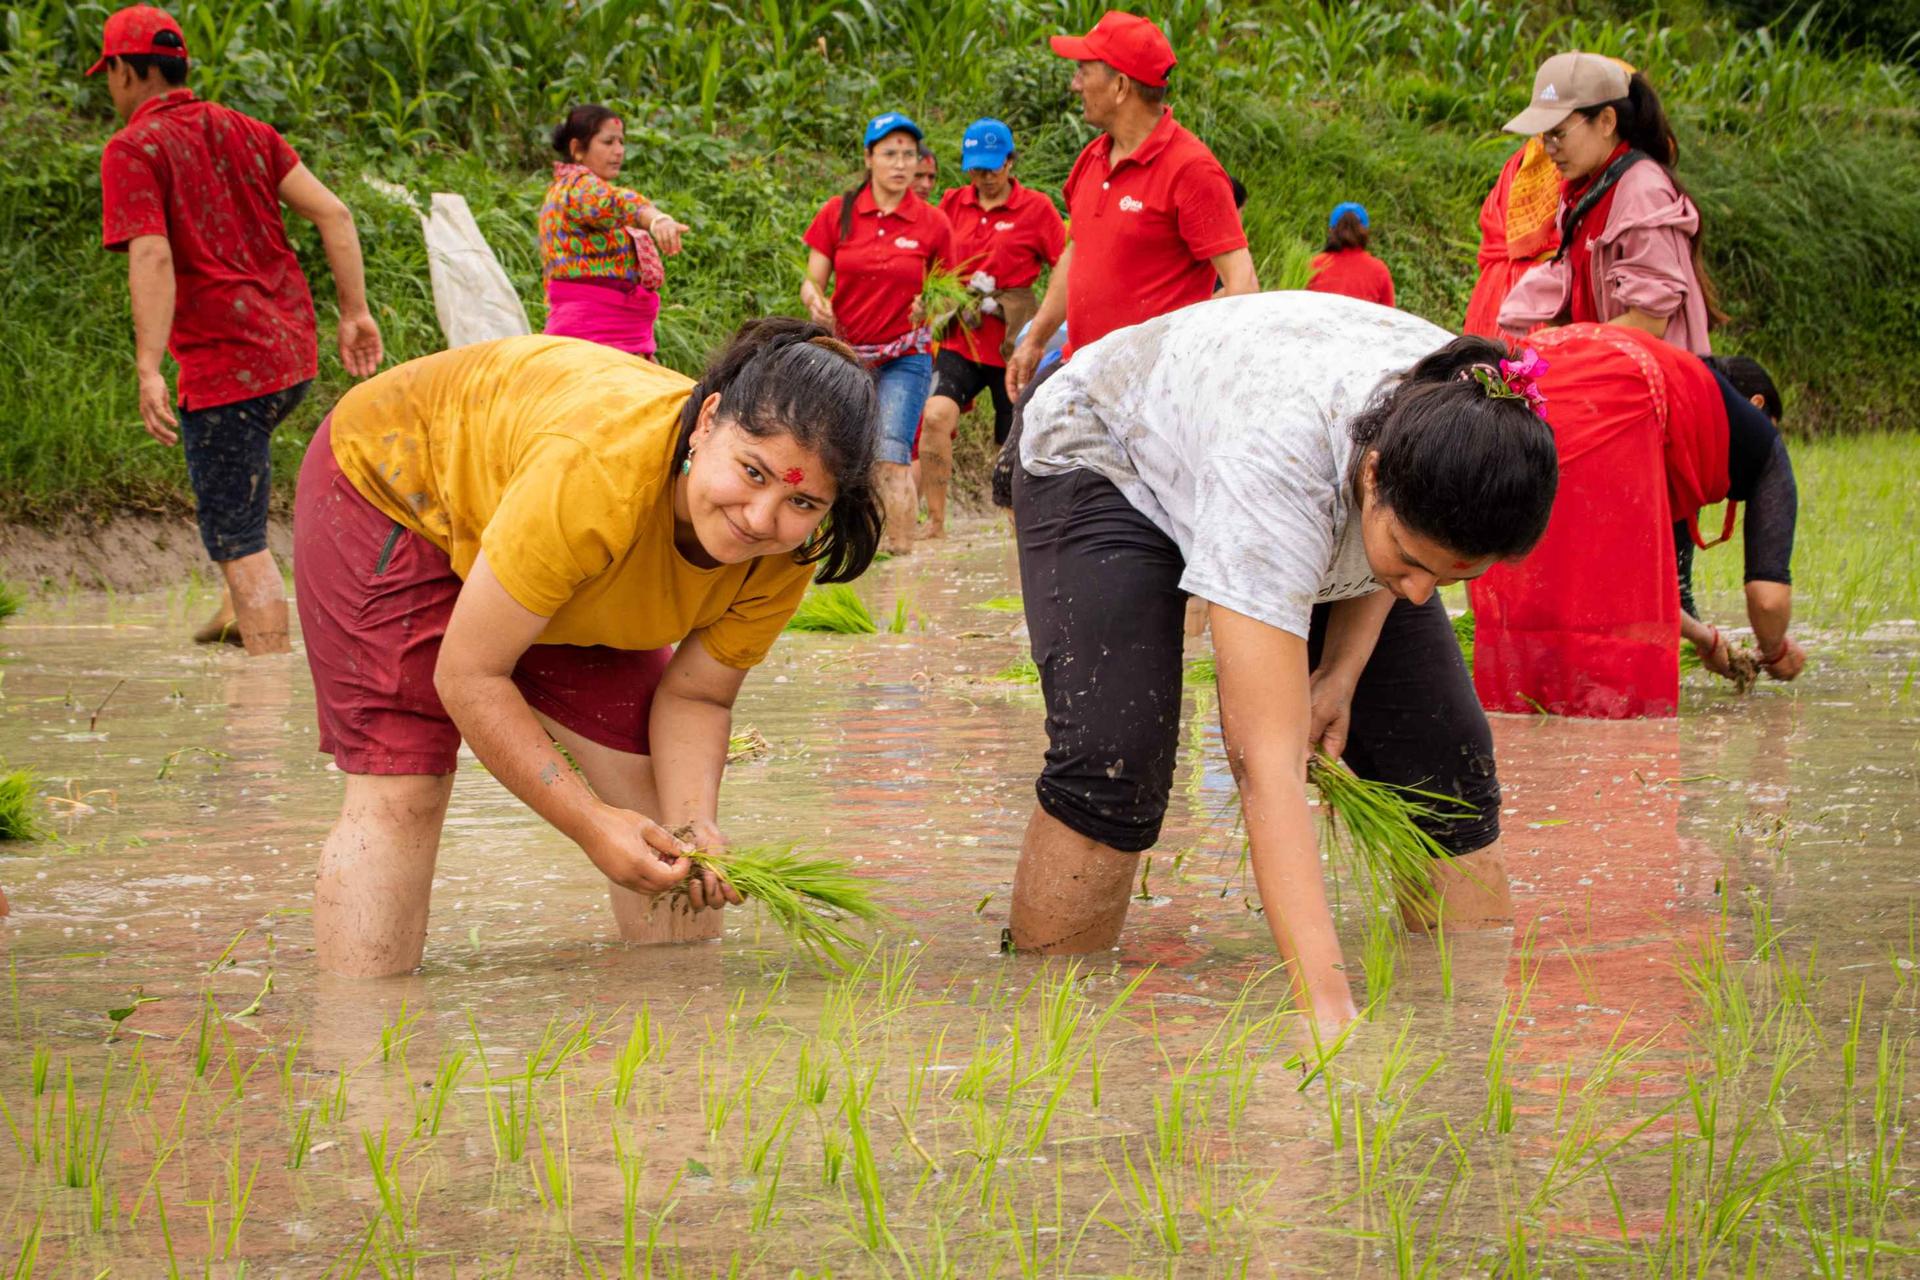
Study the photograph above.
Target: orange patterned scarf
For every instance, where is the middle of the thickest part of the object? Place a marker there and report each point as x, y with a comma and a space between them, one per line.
1533, 206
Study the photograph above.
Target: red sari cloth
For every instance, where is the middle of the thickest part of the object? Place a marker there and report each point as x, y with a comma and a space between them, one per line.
1588, 624
1519, 227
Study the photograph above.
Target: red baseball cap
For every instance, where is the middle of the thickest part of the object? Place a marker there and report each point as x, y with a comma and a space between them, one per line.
1128, 43
132, 31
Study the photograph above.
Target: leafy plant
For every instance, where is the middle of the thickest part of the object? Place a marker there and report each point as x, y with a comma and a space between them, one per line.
836, 608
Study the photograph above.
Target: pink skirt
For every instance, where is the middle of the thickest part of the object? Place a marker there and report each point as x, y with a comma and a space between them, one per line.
603, 313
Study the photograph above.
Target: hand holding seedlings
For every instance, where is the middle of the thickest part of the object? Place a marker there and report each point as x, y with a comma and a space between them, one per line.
705, 887
637, 853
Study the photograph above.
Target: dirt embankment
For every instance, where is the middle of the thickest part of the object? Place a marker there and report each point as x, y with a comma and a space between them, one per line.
126, 553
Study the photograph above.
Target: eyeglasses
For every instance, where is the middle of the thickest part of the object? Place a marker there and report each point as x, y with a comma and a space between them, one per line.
897, 157
1556, 137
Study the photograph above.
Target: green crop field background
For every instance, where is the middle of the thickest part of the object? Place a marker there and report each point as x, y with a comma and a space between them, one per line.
1802, 149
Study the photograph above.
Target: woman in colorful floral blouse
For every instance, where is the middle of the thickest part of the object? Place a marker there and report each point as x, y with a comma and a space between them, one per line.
601, 243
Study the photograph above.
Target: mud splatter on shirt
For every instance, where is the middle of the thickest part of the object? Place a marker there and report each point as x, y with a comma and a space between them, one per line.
1226, 425
208, 179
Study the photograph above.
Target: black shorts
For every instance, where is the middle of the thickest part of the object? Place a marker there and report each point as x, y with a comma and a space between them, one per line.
229, 452
1105, 613
962, 380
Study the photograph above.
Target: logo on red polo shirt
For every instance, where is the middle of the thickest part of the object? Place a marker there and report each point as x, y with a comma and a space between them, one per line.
1130, 205
1003, 226
904, 242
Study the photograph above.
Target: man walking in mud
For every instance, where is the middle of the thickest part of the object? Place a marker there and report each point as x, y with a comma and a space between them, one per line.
191, 193
1152, 222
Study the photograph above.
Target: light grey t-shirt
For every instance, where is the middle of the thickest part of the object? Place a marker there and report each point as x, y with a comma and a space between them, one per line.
1226, 425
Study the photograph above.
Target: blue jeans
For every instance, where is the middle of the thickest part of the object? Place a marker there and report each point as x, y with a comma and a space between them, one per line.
903, 383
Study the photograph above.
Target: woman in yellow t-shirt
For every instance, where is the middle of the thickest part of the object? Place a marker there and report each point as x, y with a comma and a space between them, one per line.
502, 541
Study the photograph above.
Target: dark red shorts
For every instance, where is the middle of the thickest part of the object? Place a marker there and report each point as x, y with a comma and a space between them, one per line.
374, 600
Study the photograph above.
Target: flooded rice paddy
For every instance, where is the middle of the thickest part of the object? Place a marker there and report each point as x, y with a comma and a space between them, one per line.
1690, 1057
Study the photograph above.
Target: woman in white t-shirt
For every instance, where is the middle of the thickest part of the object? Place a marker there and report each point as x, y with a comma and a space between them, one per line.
1313, 467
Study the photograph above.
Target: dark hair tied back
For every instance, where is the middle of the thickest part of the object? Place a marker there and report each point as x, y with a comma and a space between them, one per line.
1473, 472
785, 376
582, 125
1347, 232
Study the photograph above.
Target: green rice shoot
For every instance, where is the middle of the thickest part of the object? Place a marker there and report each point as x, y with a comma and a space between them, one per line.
1002, 604
1202, 671
12, 600
814, 901
1376, 827
899, 624
1025, 671
16, 806
747, 743
837, 608
943, 298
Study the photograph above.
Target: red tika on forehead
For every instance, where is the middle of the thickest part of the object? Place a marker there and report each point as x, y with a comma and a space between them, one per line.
793, 475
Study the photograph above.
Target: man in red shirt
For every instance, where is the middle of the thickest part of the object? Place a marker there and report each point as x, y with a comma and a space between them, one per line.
1004, 235
1150, 211
192, 193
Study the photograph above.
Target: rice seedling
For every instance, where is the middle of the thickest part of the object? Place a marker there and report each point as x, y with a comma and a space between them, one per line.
814, 901
1386, 846
747, 743
1002, 604
1202, 671
944, 300
1463, 635
1023, 671
17, 820
12, 600
836, 609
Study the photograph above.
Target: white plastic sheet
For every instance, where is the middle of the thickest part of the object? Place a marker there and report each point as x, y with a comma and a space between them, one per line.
471, 293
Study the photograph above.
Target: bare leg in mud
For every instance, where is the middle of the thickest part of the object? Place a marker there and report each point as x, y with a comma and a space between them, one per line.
936, 462
259, 597
1070, 893
371, 895
901, 504
1470, 892
624, 779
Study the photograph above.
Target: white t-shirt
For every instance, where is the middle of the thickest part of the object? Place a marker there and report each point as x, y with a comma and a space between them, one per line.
1226, 425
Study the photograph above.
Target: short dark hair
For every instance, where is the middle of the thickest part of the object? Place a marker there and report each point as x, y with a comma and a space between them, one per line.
1475, 473
784, 376
582, 124
1347, 232
1151, 94
172, 70
1750, 378
1239, 191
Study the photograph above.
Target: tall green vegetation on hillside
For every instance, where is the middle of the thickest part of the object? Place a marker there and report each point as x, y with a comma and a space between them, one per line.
742, 117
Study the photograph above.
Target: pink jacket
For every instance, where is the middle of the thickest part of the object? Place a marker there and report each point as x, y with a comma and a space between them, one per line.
1641, 258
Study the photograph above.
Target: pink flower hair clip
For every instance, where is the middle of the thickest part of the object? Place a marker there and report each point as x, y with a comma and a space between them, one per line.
1514, 380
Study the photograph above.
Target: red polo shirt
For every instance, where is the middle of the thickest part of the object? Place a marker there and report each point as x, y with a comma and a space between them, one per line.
879, 269
1011, 243
1145, 230
1355, 273
208, 179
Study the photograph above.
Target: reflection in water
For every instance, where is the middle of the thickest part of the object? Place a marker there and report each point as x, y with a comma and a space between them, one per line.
985, 1101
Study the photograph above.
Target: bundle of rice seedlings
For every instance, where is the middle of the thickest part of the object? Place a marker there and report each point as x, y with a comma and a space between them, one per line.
815, 901
837, 608
1202, 671
16, 806
12, 600
1385, 844
944, 297
1002, 604
747, 744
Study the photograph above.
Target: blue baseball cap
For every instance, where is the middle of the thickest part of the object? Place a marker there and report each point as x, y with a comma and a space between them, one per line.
1348, 206
891, 122
987, 144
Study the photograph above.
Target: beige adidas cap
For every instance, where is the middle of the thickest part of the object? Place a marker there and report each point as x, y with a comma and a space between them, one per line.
1566, 82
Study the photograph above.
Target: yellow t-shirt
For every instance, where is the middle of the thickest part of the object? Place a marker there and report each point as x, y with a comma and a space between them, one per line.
552, 455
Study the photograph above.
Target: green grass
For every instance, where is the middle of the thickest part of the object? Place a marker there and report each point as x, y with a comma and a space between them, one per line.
837, 609
743, 130
12, 600
1852, 555
1024, 671
18, 800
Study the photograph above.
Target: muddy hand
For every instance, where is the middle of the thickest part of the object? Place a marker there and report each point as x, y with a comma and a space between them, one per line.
637, 853
706, 887
1790, 662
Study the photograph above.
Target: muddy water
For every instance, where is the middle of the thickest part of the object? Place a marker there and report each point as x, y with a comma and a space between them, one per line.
188, 802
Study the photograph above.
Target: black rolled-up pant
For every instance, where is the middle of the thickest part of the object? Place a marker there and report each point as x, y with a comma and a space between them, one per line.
1105, 613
